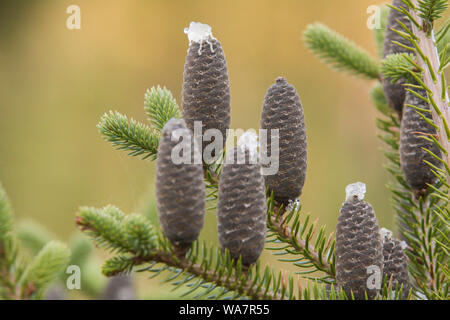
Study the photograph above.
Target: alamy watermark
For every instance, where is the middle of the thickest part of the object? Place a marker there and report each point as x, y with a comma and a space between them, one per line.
73, 281
73, 22
374, 20
374, 279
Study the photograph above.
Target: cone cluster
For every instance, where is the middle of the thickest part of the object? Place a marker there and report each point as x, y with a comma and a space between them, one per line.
180, 187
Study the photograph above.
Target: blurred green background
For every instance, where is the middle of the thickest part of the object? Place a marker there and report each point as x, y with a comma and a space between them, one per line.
55, 84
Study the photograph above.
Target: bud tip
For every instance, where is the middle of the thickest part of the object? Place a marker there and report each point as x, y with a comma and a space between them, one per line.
281, 80
357, 189
198, 32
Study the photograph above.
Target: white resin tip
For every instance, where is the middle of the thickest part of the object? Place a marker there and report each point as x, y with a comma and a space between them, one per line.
403, 245
293, 204
249, 141
198, 32
385, 234
355, 189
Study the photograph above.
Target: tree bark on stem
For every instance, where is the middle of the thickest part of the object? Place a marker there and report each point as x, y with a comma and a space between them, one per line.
426, 43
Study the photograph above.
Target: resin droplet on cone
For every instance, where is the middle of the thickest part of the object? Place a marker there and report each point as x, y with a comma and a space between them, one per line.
395, 93
282, 110
412, 156
242, 209
180, 190
395, 267
358, 249
206, 88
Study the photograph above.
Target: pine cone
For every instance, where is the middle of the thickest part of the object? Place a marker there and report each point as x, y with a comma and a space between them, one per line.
206, 88
242, 210
180, 190
395, 263
358, 245
282, 110
412, 156
395, 93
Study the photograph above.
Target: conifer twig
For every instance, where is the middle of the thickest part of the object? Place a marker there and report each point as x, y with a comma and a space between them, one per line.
246, 288
136, 242
319, 254
339, 52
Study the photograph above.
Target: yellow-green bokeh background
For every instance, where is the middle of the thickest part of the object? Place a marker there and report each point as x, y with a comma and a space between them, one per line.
55, 84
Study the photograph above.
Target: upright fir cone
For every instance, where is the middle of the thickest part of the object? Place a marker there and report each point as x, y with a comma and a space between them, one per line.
242, 205
358, 249
412, 154
180, 190
206, 88
395, 93
283, 110
395, 268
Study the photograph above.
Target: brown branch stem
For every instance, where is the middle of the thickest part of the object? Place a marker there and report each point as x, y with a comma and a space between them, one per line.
278, 225
427, 45
247, 288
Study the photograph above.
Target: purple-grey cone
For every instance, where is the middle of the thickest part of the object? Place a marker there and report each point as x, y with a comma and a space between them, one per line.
242, 210
358, 249
283, 110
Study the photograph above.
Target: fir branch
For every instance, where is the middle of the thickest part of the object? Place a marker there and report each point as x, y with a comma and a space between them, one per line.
309, 254
417, 223
114, 231
132, 136
433, 78
208, 264
339, 52
250, 284
44, 268
160, 107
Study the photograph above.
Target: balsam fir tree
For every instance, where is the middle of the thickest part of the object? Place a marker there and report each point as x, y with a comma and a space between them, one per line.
206, 271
